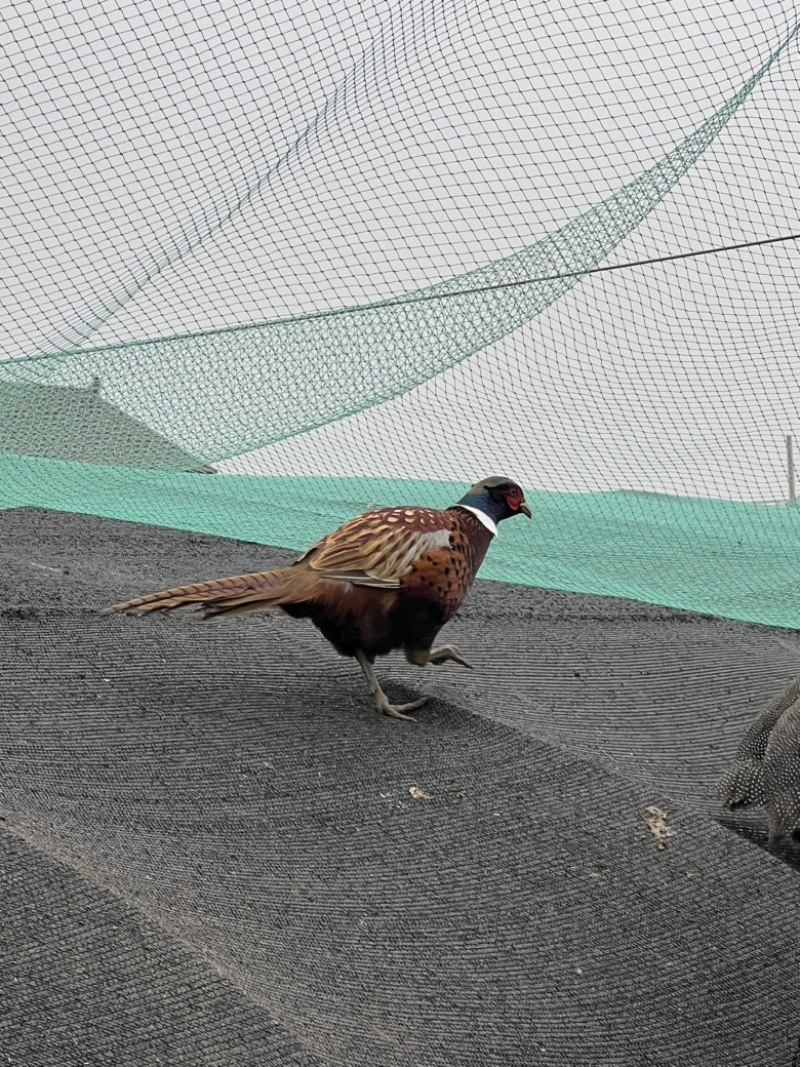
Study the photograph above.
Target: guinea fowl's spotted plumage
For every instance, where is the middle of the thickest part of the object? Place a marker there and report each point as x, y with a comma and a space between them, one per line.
387, 579
766, 771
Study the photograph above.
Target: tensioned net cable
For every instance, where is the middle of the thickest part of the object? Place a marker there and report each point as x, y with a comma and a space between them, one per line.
348, 254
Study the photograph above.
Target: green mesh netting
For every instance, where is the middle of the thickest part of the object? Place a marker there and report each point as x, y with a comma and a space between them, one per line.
732, 559
226, 234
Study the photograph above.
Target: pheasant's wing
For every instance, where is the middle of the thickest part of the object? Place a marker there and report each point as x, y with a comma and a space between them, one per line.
379, 548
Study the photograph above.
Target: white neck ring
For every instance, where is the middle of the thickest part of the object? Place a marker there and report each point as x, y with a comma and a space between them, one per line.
482, 517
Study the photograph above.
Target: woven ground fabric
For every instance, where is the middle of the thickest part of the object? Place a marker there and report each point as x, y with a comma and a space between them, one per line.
215, 852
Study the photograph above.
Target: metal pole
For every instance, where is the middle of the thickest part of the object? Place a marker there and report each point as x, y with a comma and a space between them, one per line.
790, 470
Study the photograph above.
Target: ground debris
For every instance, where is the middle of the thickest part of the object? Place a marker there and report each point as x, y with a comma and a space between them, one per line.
657, 825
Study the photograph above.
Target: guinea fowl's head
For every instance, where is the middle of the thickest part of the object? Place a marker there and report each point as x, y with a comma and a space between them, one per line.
499, 498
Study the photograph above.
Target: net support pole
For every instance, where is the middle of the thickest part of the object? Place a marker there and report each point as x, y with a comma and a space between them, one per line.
792, 501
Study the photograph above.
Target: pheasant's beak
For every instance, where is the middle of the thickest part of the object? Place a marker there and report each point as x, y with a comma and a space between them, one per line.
525, 509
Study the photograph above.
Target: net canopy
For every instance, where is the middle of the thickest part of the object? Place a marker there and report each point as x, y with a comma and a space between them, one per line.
358, 254
266, 266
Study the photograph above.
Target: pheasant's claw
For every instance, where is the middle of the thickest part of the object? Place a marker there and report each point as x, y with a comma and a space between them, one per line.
445, 652
397, 711
382, 705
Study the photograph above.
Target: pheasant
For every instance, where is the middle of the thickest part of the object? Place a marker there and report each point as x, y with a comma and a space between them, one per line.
388, 579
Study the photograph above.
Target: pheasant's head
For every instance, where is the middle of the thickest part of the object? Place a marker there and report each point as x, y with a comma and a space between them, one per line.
499, 498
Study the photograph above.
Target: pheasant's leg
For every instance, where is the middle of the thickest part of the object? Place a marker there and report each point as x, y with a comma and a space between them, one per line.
382, 705
446, 652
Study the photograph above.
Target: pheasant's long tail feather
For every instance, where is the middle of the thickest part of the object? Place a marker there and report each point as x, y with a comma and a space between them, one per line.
226, 596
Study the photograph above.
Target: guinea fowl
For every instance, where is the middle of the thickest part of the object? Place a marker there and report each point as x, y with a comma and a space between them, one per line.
390, 578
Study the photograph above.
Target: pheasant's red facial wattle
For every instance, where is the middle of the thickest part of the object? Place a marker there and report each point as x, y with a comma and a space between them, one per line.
515, 501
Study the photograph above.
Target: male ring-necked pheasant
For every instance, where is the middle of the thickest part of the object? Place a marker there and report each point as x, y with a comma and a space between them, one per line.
390, 578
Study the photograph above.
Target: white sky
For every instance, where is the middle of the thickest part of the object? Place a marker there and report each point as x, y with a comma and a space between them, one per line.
175, 166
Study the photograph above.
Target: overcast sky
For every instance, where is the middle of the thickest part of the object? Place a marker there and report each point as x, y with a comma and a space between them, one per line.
173, 167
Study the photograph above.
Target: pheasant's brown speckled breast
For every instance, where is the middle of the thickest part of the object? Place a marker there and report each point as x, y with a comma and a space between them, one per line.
444, 575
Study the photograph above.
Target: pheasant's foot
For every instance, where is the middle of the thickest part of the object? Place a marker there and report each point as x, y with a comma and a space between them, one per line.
382, 705
446, 652
398, 711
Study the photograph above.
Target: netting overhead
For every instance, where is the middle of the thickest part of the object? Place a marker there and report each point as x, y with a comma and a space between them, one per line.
356, 241
266, 265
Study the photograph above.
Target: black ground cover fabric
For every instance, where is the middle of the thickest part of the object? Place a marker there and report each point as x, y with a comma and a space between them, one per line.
215, 852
